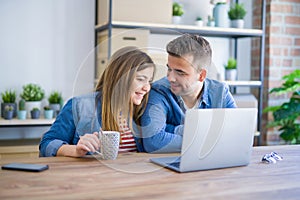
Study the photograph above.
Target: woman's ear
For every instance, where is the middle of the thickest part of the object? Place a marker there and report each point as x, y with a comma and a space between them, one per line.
202, 75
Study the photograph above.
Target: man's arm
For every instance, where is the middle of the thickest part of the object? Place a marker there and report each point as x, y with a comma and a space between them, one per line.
158, 136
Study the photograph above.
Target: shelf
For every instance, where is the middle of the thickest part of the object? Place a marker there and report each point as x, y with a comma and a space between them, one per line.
244, 83
179, 29
26, 122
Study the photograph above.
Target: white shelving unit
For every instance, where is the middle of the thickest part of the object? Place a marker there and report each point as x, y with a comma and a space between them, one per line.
231, 33
26, 122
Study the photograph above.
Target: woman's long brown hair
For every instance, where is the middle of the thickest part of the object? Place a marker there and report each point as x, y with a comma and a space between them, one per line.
115, 86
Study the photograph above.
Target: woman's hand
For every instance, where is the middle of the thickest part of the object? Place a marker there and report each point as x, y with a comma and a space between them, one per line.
87, 143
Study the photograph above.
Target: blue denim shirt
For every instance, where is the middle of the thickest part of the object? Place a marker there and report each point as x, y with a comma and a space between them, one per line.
79, 116
162, 121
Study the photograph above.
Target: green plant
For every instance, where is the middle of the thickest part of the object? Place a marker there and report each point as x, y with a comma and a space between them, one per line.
216, 2
177, 9
231, 64
8, 108
35, 109
286, 116
22, 104
32, 92
55, 98
47, 108
198, 18
210, 18
9, 96
237, 11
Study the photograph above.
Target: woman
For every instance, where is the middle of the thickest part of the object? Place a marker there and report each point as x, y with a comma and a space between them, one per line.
117, 104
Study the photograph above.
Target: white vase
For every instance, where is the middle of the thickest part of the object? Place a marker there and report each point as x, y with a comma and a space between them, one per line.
176, 19
237, 23
29, 105
220, 13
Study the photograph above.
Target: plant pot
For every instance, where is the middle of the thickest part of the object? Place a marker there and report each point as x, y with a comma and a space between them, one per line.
176, 19
56, 108
211, 23
22, 114
48, 114
35, 114
231, 74
29, 105
8, 114
14, 105
199, 23
237, 23
220, 13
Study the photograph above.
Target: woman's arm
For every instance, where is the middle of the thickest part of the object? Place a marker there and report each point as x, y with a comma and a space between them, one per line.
87, 143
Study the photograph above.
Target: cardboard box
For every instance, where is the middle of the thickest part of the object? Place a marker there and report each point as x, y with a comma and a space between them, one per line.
154, 11
120, 38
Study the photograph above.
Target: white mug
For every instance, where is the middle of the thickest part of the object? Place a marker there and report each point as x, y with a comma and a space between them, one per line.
109, 141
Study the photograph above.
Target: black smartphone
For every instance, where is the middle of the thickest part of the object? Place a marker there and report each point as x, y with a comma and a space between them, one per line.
25, 167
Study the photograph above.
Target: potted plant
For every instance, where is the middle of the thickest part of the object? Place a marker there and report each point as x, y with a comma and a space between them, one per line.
9, 99
55, 102
210, 21
48, 112
199, 21
231, 70
22, 111
35, 113
177, 12
286, 116
8, 112
33, 95
236, 14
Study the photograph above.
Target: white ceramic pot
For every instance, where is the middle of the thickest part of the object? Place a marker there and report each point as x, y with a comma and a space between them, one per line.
176, 19
199, 23
237, 23
231, 74
29, 105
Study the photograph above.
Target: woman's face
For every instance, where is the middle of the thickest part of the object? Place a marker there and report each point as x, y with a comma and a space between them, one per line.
141, 85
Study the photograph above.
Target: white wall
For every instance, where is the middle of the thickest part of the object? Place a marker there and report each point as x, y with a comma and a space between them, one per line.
47, 42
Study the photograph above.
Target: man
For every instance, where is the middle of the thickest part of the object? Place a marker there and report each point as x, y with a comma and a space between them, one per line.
185, 87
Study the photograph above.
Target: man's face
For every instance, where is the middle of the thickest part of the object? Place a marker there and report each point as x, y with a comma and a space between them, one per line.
183, 77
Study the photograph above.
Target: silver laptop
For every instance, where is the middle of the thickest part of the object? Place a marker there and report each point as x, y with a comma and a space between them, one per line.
214, 138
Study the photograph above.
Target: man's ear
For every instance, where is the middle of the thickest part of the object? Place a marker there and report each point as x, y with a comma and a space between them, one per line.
202, 75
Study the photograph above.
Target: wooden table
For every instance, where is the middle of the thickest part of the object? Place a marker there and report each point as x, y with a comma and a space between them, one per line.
132, 176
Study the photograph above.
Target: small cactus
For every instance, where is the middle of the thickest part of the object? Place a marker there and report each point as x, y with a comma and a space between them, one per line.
22, 104
8, 108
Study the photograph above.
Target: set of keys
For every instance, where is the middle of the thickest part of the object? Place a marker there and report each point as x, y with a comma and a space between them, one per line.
272, 157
